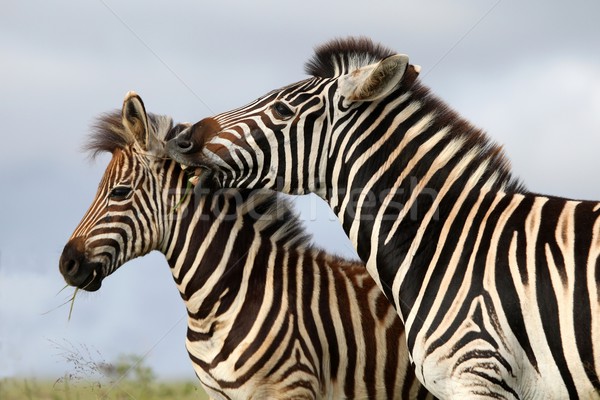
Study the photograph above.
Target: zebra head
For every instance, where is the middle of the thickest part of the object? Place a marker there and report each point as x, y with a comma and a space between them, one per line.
126, 218
286, 139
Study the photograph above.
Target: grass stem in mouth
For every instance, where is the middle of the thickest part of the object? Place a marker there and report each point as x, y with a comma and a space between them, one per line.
72, 300
60, 305
63, 288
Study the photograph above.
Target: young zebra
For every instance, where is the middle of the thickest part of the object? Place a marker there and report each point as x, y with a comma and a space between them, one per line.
498, 287
270, 317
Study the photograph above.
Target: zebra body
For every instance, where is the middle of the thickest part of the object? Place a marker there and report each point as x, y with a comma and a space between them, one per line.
497, 287
269, 316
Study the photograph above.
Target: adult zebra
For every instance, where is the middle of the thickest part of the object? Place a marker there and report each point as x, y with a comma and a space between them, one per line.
497, 287
269, 316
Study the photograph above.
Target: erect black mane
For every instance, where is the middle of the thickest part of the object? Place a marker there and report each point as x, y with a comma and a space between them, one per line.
109, 134
340, 56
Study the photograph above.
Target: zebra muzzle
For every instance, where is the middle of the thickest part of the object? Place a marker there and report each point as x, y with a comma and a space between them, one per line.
75, 268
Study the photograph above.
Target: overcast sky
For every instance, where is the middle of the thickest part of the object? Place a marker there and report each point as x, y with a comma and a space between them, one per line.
526, 72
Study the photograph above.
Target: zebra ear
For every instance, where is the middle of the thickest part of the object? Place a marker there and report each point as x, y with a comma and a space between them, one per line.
135, 121
374, 81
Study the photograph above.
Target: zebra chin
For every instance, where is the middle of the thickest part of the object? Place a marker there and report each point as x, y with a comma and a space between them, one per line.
77, 270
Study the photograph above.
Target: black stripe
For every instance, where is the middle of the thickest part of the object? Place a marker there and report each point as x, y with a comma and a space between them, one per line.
585, 221
509, 297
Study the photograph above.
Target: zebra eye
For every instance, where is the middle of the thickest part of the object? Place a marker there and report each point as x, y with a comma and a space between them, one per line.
120, 192
282, 110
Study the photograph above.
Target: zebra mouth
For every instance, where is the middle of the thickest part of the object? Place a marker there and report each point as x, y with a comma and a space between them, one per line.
94, 280
202, 177
75, 267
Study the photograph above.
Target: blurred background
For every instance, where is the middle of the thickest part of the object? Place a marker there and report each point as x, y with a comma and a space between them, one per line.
526, 72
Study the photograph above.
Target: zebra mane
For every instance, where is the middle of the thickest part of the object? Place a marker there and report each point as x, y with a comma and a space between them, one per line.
273, 213
472, 138
340, 56
109, 133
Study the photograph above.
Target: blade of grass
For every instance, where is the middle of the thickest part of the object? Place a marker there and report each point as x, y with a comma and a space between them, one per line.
64, 287
188, 189
61, 304
72, 303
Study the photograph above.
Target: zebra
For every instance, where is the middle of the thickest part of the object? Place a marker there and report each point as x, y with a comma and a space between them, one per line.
497, 286
270, 316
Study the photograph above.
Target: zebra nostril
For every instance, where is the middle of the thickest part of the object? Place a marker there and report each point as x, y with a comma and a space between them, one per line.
70, 267
184, 145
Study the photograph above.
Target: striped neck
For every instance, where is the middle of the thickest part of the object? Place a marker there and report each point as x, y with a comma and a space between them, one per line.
219, 240
394, 176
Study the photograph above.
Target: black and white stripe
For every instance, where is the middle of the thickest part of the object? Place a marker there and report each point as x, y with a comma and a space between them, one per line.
269, 316
497, 286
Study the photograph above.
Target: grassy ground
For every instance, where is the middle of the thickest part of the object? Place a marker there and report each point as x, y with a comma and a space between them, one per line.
66, 389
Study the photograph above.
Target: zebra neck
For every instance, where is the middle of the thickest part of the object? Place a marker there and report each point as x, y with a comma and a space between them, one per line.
393, 185
225, 248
